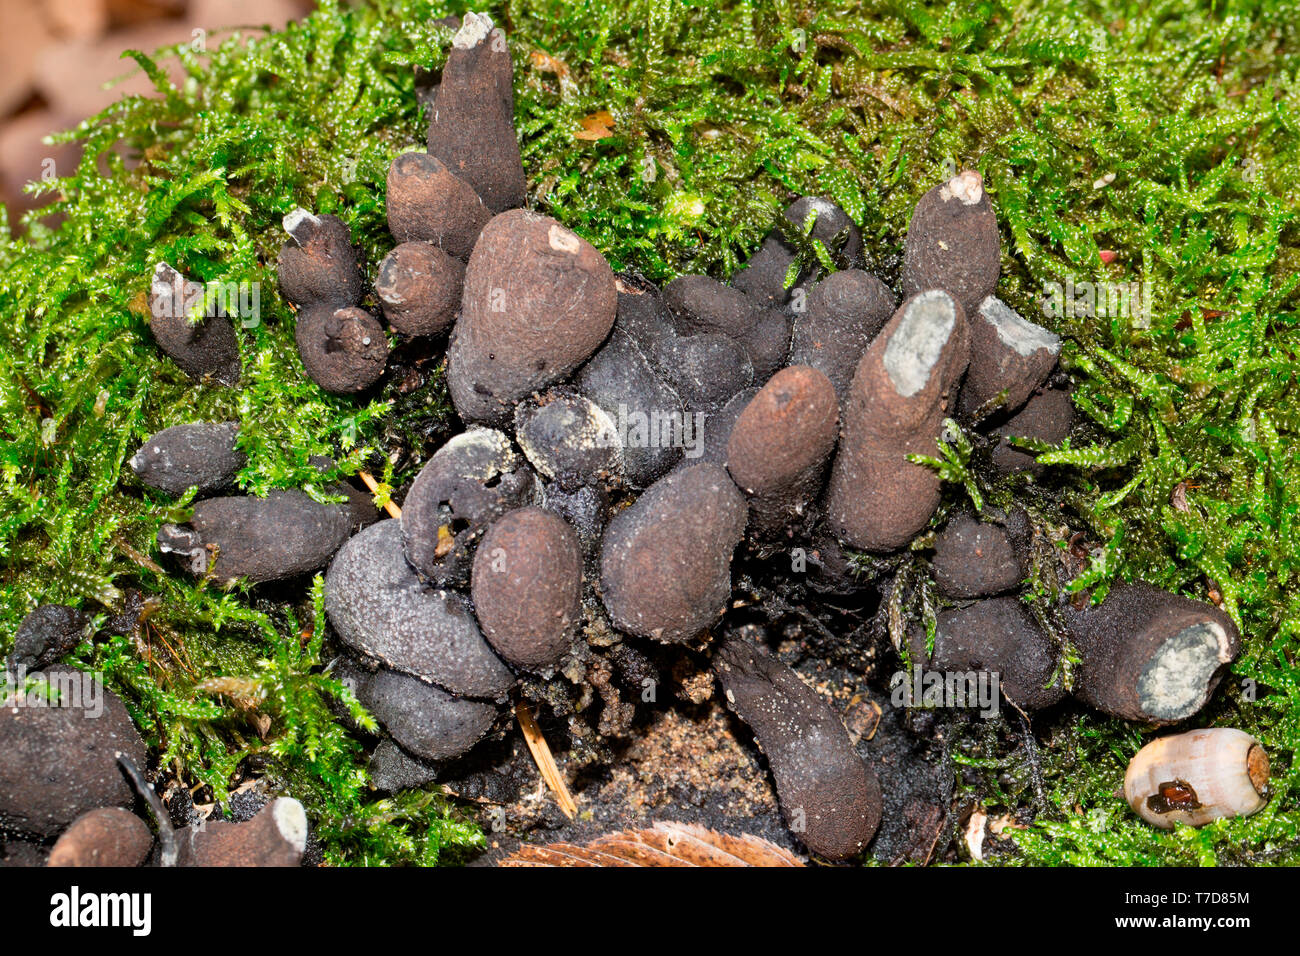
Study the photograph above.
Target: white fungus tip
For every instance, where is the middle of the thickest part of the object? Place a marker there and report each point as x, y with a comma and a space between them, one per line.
296, 220
1015, 331
1175, 682
473, 31
967, 187
165, 279
291, 821
915, 346
562, 240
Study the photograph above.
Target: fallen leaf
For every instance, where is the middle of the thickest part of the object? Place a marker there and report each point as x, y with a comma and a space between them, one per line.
998, 825
595, 126
543, 61
1179, 498
664, 844
862, 719
975, 834
446, 541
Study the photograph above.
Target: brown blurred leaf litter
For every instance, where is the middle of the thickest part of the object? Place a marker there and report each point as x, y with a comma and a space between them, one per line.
664, 844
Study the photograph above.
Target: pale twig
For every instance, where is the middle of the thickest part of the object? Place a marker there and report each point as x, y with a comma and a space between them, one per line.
369, 479
545, 762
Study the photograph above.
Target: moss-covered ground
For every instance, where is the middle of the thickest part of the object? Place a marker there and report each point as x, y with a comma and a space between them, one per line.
1122, 142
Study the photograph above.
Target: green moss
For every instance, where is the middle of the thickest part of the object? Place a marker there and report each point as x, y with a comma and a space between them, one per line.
1187, 469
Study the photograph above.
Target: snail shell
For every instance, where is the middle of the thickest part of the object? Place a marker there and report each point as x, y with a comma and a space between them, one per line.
1197, 777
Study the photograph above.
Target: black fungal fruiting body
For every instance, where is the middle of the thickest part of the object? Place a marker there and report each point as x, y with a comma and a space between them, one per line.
977, 559
844, 312
48, 634
200, 455
1008, 354
832, 221
1149, 655
470, 482
953, 243
422, 718
702, 305
706, 370
901, 392
532, 305
428, 202
830, 799
998, 636
471, 125
716, 434
277, 836
622, 382
763, 277
380, 608
666, 560
108, 836
1046, 417
769, 343
527, 587
259, 539
642, 315
318, 265
538, 302
585, 510
420, 287
392, 769
60, 750
778, 449
204, 347
343, 350
569, 439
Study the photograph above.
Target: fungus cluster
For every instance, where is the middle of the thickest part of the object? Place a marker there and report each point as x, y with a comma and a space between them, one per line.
622, 443
70, 781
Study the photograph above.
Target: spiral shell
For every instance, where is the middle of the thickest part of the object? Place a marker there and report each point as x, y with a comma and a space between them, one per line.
1197, 777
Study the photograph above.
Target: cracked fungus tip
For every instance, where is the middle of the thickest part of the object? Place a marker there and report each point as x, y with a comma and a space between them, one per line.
1016, 332
473, 30
918, 342
294, 222
291, 821
967, 187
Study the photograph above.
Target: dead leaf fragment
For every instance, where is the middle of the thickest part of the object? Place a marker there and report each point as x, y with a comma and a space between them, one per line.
975, 834
595, 126
1179, 498
446, 541
543, 62
664, 844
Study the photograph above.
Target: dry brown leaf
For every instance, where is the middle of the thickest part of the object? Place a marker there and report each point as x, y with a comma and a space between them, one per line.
1179, 497
545, 63
595, 125
664, 844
